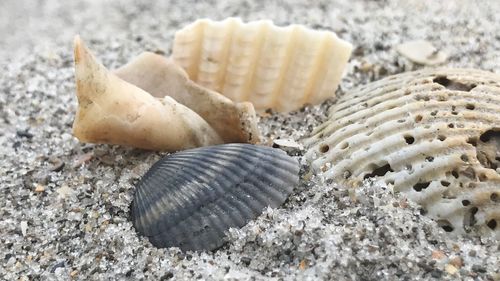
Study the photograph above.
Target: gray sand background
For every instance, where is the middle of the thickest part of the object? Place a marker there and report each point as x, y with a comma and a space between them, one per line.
64, 204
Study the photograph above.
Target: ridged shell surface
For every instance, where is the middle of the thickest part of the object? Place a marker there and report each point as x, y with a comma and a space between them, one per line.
433, 135
273, 67
190, 198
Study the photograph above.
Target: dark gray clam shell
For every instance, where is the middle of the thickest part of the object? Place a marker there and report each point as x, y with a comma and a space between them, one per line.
190, 198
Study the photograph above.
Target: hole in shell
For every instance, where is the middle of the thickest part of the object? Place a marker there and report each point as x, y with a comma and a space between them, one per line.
409, 167
344, 145
465, 202
454, 173
464, 158
472, 141
418, 118
324, 148
429, 158
483, 177
421, 186
409, 139
451, 126
494, 197
470, 218
452, 84
441, 138
379, 171
469, 172
442, 98
492, 224
488, 149
445, 225
470, 106
445, 183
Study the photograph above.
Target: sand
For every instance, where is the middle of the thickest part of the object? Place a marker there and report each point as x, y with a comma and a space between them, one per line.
64, 205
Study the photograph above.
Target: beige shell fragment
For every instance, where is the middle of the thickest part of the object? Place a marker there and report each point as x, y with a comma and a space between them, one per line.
118, 108
433, 135
422, 52
273, 67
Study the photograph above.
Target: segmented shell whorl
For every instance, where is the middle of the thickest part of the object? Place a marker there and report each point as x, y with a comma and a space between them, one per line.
273, 67
190, 198
433, 135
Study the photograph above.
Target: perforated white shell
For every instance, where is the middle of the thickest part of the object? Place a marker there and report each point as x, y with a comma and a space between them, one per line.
433, 135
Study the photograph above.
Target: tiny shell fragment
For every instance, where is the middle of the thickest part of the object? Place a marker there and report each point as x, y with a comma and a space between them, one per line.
191, 198
433, 135
422, 52
24, 228
117, 107
281, 68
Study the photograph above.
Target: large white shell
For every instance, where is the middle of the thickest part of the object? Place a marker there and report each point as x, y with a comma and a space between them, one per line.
273, 67
433, 135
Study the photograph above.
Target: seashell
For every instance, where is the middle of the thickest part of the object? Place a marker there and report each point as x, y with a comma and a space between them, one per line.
433, 135
281, 68
191, 198
422, 52
150, 103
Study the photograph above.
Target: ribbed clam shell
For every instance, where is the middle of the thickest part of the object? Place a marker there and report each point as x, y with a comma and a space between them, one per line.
273, 67
190, 198
433, 135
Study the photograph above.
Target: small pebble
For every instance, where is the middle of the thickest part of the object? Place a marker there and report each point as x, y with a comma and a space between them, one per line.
24, 228
438, 255
167, 276
39, 188
57, 164
288, 145
64, 191
478, 268
24, 134
303, 264
246, 260
82, 159
457, 262
436, 273
450, 269
57, 265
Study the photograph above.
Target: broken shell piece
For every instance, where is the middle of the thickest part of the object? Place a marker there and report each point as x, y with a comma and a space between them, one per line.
160, 76
281, 68
112, 110
288, 145
433, 135
191, 198
422, 52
